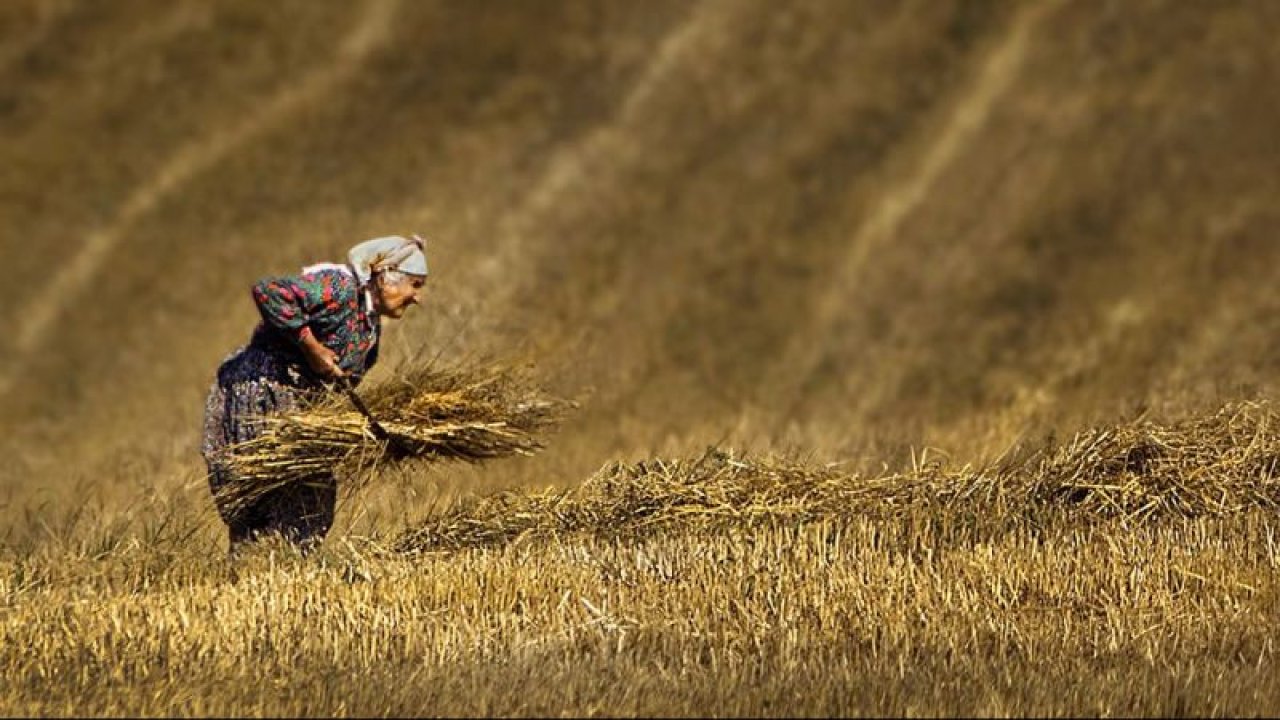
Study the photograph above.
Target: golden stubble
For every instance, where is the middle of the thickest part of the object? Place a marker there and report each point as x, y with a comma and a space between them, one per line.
674, 586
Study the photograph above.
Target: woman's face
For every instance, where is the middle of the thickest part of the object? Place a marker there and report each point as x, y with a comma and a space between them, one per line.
391, 299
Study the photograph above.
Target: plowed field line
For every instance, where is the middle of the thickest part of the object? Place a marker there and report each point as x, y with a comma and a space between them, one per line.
50, 14
70, 279
590, 165
805, 349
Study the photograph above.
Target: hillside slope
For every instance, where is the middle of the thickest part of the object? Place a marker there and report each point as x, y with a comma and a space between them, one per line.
850, 227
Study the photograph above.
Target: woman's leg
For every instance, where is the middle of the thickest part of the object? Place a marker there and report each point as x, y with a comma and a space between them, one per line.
245, 521
247, 388
302, 512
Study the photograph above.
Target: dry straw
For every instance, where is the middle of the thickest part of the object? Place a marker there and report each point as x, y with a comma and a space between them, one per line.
430, 414
1212, 464
1219, 463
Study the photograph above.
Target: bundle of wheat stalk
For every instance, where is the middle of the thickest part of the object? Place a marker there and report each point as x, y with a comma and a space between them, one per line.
714, 488
429, 414
1211, 464
1219, 463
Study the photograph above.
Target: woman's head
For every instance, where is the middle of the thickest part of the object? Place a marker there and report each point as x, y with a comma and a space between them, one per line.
393, 291
394, 268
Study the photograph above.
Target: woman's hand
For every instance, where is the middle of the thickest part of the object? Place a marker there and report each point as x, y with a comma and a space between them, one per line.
322, 361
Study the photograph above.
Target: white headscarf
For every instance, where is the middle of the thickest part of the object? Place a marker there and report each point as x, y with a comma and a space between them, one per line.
393, 252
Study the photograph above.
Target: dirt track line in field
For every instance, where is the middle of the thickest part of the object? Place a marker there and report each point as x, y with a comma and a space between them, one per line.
586, 167
1143, 308
50, 14
177, 18
1073, 360
805, 348
180, 18
70, 279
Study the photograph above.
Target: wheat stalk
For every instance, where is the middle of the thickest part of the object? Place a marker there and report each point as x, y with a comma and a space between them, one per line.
431, 414
1214, 464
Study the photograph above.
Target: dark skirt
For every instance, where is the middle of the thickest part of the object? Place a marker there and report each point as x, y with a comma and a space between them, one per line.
253, 382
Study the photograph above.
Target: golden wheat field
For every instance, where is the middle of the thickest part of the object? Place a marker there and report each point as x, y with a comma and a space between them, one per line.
896, 358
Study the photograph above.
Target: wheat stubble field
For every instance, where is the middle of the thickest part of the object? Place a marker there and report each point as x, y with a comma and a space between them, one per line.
923, 352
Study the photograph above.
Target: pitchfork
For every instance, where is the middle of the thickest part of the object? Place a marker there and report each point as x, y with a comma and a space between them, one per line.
379, 431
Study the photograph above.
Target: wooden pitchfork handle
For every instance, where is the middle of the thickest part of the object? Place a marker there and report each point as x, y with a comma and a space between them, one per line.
378, 431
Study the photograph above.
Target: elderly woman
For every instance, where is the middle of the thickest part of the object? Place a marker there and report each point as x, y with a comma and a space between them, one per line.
318, 326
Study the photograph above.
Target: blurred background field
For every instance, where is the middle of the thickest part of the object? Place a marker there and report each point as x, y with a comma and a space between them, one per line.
902, 237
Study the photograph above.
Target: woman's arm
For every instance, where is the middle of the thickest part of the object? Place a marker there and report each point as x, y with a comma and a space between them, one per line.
288, 303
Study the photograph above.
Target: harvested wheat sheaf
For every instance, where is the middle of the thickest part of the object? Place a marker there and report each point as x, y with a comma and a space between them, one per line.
430, 414
1218, 463
1211, 464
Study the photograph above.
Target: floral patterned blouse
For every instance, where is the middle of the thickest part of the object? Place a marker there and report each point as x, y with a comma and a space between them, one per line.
323, 301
